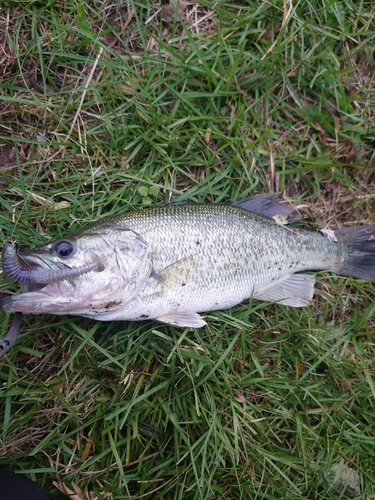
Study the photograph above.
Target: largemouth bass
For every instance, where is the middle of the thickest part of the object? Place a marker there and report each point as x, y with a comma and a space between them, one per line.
172, 262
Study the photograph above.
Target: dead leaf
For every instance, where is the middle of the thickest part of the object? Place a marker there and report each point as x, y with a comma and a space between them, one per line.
330, 234
87, 449
176, 8
76, 493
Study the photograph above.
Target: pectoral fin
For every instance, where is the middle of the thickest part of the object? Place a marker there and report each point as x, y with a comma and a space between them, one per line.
180, 273
182, 319
294, 290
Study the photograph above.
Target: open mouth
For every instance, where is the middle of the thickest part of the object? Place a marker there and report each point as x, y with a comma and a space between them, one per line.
36, 271
30, 268
25, 268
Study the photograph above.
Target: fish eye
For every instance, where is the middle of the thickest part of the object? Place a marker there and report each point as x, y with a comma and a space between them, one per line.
63, 248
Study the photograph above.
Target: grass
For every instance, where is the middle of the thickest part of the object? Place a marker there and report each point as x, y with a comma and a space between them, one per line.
109, 107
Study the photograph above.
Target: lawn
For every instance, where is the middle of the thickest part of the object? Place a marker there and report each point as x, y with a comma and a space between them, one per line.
107, 107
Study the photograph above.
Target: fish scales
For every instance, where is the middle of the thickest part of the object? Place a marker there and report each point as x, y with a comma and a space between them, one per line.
232, 247
225, 255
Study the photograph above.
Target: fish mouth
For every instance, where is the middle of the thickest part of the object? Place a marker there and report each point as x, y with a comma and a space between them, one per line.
24, 302
31, 268
38, 295
35, 265
47, 286
32, 271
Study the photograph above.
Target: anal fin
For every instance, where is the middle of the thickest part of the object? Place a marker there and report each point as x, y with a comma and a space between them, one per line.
294, 290
182, 319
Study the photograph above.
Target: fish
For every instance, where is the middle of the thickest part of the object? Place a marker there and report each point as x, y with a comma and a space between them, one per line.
173, 262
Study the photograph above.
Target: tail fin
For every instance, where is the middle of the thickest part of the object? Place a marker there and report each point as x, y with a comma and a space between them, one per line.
359, 243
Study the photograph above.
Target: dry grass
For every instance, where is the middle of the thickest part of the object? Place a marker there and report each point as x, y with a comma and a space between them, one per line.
105, 107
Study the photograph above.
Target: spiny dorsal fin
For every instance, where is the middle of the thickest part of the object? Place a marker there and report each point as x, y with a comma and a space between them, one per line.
270, 206
266, 205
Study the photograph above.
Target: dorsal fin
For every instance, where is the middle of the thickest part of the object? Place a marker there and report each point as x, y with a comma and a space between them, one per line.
269, 206
266, 205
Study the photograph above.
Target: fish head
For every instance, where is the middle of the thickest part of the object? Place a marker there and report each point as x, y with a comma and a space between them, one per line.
88, 273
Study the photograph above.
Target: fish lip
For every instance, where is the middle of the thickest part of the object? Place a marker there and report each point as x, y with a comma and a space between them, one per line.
25, 302
30, 260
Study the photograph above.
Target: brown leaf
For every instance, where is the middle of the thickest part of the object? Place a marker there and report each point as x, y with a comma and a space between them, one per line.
169, 11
